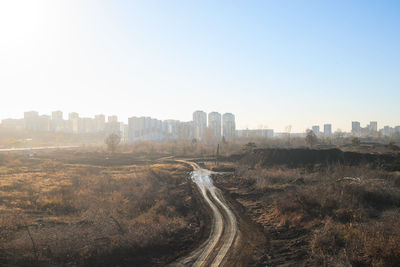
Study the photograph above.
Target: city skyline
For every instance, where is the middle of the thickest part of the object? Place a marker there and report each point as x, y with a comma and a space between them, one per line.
220, 124
242, 125
142, 128
273, 63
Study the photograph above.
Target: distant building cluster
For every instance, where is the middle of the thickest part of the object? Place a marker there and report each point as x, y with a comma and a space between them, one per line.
371, 130
32, 121
215, 126
327, 130
202, 127
255, 133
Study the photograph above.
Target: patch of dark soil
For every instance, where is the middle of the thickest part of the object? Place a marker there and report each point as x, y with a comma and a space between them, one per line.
251, 245
281, 245
149, 255
312, 157
223, 169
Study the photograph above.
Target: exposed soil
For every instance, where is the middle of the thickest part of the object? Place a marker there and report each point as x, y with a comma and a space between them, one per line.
266, 242
251, 246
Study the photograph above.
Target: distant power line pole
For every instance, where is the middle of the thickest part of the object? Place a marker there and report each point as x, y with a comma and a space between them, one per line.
217, 155
288, 130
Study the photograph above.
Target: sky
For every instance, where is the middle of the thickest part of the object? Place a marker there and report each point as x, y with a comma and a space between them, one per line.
271, 63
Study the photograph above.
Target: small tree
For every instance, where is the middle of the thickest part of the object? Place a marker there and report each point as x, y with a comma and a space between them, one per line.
112, 142
339, 135
391, 145
311, 138
355, 141
250, 146
224, 140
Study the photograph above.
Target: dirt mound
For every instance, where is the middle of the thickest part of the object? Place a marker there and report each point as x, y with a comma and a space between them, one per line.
303, 157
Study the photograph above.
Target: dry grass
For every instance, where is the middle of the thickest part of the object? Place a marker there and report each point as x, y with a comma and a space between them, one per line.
352, 221
57, 213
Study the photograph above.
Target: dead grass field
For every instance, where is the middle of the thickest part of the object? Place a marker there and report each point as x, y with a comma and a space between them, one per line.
329, 216
53, 212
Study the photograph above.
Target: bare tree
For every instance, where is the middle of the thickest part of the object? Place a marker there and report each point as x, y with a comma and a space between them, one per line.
355, 141
311, 138
249, 147
112, 142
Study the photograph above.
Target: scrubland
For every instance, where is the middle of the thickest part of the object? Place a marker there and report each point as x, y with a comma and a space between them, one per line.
322, 215
80, 208
59, 213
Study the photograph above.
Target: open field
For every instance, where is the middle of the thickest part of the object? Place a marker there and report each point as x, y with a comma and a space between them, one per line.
293, 207
55, 211
330, 214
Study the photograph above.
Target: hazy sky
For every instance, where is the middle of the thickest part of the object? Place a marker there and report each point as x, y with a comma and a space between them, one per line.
271, 63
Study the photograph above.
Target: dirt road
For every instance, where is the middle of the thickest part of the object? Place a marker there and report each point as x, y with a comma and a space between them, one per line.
224, 225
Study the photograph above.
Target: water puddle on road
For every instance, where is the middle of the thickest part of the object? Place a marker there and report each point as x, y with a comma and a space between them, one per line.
202, 177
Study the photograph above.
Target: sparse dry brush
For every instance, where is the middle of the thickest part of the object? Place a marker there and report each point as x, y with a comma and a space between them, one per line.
56, 213
351, 213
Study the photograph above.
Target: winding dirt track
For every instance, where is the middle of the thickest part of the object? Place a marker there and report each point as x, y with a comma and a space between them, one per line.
224, 226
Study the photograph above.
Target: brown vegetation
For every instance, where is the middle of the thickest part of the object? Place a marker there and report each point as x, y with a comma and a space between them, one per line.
335, 215
54, 212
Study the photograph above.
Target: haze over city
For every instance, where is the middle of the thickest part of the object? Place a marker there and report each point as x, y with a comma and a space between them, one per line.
271, 63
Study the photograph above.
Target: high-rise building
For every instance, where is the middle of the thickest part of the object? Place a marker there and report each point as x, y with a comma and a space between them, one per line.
73, 122
31, 120
228, 125
123, 128
87, 125
73, 115
57, 121
155, 132
99, 122
15, 124
75, 125
44, 123
214, 123
199, 124
112, 118
355, 128
185, 130
133, 132
57, 115
373, 126
315, 129
387, 130
269, 133
144, 128
112, 125
328, 130
170, 129
136, 128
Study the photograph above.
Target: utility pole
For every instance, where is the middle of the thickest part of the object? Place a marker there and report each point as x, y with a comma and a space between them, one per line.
216, 156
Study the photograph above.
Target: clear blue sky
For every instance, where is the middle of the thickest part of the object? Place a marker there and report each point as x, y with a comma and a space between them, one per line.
271, 63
